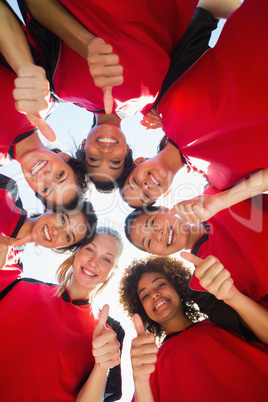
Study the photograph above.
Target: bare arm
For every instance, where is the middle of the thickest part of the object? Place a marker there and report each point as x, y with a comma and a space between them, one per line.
105, 349
143, 358
13, 43
217, 280
103, 63
203, 207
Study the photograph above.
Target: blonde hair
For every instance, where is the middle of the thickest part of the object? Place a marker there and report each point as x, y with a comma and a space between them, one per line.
64, 273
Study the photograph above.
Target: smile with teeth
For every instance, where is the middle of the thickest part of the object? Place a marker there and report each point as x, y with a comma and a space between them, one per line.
46, 233
88, 272
153, 180
170, 236
37, 167
159, 304
109, 141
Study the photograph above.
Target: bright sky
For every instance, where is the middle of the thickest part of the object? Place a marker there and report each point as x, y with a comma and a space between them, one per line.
71, 124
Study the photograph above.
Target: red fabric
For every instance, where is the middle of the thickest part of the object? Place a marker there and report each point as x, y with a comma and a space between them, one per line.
238, 238
207, 363
45, 343
10, 213
13, 123
143, 34
217, 111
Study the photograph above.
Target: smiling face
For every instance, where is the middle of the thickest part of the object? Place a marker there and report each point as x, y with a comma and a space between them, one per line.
106, 149
159, 298
159, 233
94, 262
147, 182
59, 230
48, 174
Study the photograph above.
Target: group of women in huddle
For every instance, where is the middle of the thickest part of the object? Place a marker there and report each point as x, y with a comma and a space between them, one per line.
115, 58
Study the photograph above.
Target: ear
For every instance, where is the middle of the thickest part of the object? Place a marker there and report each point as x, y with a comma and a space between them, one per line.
64, 156
139, 160
127, 150
83, 143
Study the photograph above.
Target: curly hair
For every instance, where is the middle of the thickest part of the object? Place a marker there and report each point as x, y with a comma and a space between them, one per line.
174, 271
110, 185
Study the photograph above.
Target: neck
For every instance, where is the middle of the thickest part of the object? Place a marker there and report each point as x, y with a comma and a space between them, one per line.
170, 155
178, 323
108, 119
195, 232
78, 292
26, 228
28, 144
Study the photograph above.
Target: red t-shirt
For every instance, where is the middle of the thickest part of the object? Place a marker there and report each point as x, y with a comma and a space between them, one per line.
13, 123
237, 236
46, 341
217, 111
143, 34
207, 363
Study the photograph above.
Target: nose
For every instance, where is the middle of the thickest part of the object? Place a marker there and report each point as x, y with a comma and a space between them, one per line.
154, 294
146, 185
46, 176
158, 234
106, 149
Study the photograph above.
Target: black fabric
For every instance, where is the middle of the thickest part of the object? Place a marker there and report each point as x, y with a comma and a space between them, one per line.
5, 291
113, 390
220, 313
190, 47
44, 45
20, 137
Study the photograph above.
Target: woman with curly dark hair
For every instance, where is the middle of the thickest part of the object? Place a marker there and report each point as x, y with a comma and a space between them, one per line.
156, 289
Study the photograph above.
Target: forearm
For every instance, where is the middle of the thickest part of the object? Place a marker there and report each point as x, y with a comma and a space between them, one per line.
55, 17
256, 184
253, 314
143, 390
13, 43
94, 387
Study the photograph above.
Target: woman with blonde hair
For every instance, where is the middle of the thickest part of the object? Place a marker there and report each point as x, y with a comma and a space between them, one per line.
55, 325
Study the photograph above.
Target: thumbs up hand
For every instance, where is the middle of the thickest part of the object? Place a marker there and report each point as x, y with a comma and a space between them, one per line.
143, 351
105, 347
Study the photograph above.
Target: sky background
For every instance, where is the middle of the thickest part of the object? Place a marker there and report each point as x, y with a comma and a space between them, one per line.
71, 125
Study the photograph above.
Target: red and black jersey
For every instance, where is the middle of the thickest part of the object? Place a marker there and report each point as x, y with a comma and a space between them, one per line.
12, 216
216, 112
237, 236
142, 33
207, 363
14, 125
46, 344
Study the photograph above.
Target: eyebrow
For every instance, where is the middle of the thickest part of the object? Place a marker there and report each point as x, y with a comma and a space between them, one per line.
156, 279
109, 167
68, 218
143, 240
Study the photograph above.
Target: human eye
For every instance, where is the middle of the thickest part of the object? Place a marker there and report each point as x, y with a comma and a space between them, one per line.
62, 219
115, 162
135, 181
45, 190
93, 159
107, 260
60, 174
90, 249
147, 196
144, 297
152, 223
149, 243
68, 237
162, 284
